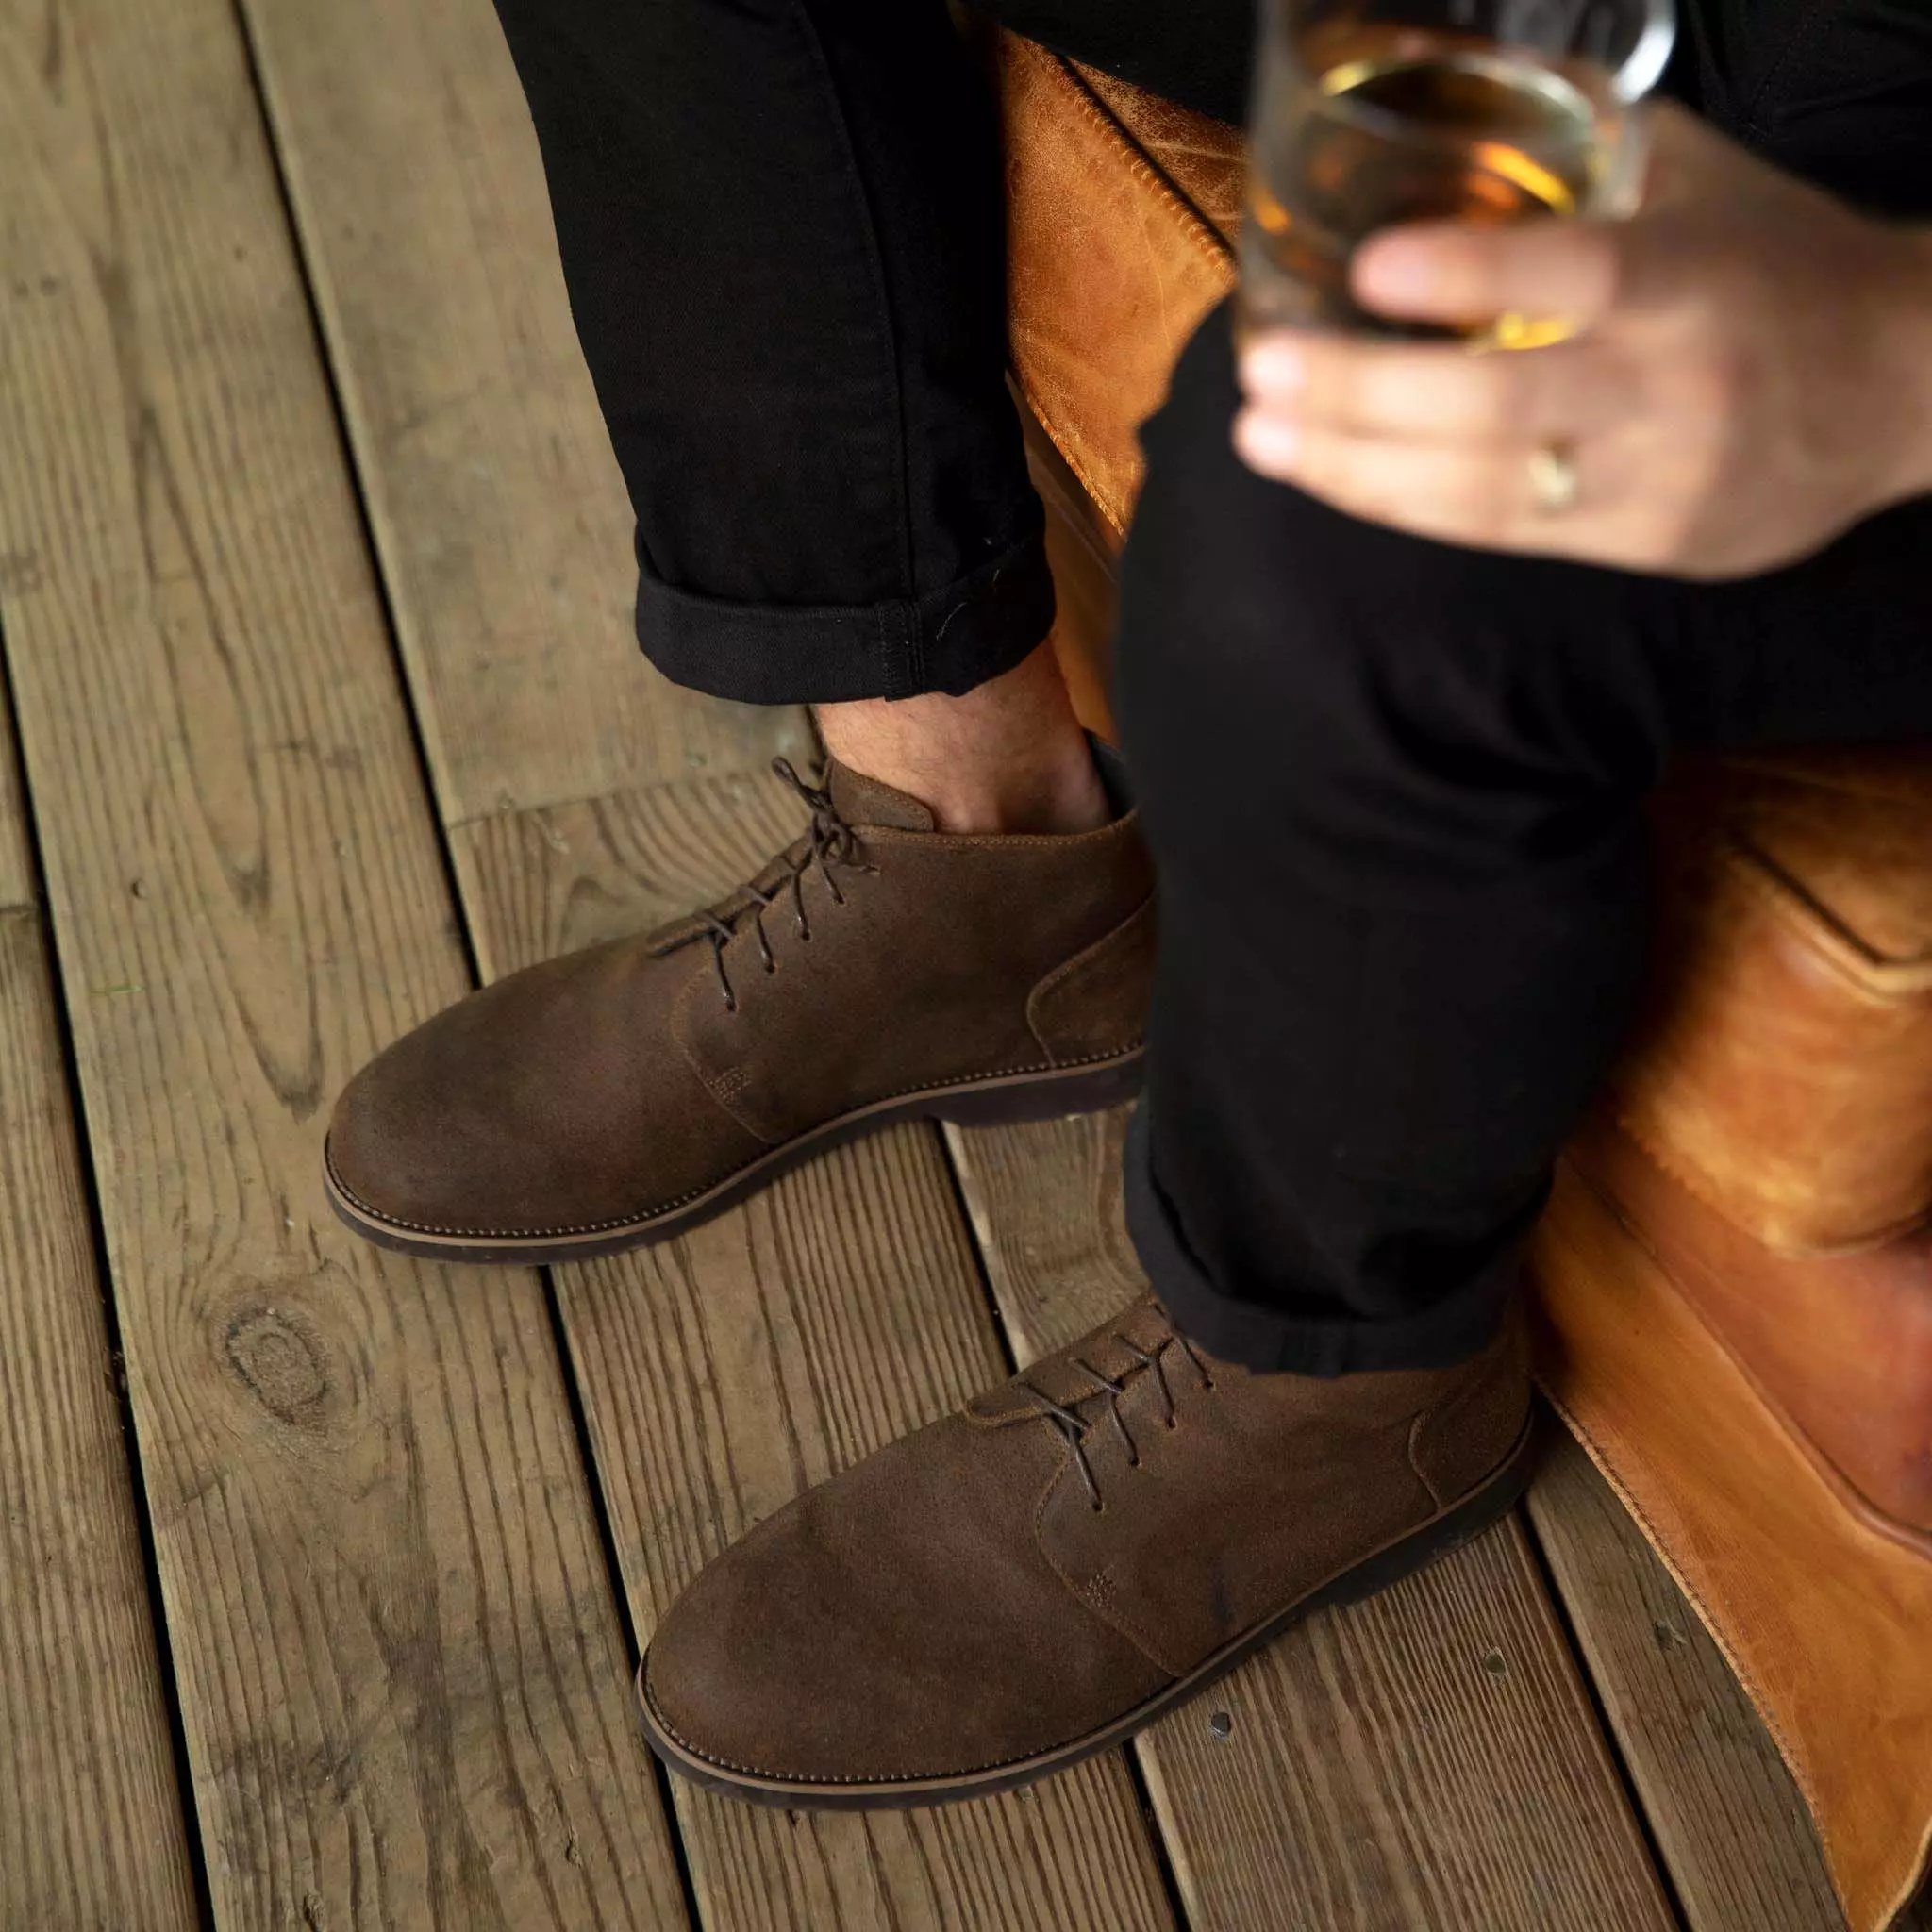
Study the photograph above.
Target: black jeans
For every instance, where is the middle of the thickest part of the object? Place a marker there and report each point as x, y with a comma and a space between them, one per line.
1392, 788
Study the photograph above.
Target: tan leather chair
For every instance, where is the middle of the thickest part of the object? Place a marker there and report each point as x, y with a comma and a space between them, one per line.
1735, 1271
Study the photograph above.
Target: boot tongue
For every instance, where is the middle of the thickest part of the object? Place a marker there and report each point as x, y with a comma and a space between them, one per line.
862, 800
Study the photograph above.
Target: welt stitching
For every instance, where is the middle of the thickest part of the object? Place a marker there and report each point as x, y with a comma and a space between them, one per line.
827, 1777
530, 1234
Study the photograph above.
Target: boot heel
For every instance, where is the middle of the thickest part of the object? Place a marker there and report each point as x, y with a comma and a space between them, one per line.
1044, 1097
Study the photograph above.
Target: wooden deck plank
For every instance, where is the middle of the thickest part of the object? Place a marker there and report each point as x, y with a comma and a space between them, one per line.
1427, 1757
400, 1664
867, 1252
1727, 1815
92, 1832
493, 496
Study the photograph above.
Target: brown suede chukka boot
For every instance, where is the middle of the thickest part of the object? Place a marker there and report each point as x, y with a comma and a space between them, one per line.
876, 969
1037, 1577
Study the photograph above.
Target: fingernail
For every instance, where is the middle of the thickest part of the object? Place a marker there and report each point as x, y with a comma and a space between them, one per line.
1266, 441
1275, 364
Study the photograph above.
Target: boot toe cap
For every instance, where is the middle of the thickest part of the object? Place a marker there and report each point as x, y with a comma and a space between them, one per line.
550, 1104
418, 1140
869, 1634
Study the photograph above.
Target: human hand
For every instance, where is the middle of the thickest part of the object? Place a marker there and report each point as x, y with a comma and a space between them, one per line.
1751, 373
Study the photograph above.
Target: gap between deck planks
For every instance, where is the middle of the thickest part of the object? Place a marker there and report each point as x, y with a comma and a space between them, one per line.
1724, 1810
400, 1667
91, 1833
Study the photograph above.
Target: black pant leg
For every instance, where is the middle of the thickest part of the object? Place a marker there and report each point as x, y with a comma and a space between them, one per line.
1394, 793
1394, 789
782, 233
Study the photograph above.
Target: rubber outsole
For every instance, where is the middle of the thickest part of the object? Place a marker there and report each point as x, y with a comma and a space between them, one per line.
1459, 1523
982, 1103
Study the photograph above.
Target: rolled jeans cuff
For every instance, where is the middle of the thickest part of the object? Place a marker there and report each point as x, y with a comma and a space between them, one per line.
1452, 1329
781, 654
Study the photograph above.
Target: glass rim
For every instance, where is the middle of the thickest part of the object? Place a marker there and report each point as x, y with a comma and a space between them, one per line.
1629, 82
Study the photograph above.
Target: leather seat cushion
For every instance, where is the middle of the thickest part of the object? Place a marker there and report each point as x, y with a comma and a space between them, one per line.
1120, 212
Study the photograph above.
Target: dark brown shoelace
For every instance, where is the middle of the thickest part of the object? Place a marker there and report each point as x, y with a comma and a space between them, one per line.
830, 841
1076, 1427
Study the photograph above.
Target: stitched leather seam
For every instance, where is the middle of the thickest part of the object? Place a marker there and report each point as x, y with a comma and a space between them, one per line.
1043, 989
1207, 239
1114, 1617
649, 1214
1207, 242
1114, 831
714, 1084
1064, 441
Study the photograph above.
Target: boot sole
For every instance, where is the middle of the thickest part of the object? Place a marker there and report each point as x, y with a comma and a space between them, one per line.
976, 1103
1459, 1523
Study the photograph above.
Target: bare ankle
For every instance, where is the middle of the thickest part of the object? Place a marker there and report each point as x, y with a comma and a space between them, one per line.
1009, 757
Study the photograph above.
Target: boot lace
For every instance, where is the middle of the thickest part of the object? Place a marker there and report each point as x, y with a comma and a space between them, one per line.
1076, 1427
828, 842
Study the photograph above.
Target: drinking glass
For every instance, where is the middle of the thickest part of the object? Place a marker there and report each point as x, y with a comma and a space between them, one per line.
1371, 113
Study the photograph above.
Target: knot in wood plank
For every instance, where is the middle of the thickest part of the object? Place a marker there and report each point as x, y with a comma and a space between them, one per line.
281, 1363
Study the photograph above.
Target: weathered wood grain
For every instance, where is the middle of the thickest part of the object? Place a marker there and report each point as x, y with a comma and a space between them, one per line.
1726, 1814
1429, 1758
504, 530
92, 1832
724, 1371
401, 1669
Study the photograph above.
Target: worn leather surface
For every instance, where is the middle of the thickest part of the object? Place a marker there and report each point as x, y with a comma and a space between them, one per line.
1786, 1069
1110, 263
1841, 1345
596, 1089
1823, 1617
958, 1601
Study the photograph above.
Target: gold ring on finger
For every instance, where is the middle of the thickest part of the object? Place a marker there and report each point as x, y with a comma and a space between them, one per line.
1553, 477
